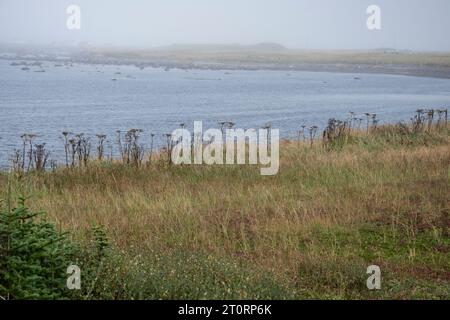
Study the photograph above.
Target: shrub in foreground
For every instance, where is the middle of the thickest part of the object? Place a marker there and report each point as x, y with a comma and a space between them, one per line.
34, 256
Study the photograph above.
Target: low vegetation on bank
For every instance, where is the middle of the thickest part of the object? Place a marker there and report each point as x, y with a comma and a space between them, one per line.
376, 196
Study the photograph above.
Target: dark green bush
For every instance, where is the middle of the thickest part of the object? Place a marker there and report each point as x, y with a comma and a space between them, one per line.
34, 256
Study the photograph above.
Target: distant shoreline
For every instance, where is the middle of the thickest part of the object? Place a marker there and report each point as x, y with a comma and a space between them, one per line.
402, 70
434, 65
391, 63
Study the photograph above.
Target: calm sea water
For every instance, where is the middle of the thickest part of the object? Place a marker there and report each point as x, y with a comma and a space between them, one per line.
85, 99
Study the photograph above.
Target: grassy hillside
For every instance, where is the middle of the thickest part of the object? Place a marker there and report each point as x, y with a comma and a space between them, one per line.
227, 232
282, 57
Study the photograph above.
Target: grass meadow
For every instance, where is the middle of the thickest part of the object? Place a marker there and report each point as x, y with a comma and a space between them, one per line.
160, 231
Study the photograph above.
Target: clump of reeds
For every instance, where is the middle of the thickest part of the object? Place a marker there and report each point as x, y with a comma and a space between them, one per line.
32, 156
424, 119
77, 149
40, 157
169, 146
152, 140
226, 125
100, 146
131, 150
337, 131
371, 120
82, 149
312, 134
67, 144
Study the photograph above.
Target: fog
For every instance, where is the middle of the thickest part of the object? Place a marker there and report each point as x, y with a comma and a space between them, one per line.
308, 24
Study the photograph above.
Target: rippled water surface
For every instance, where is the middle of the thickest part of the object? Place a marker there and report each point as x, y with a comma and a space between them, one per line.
95, 99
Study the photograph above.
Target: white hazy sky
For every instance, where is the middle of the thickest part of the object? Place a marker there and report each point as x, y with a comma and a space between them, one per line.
310, 24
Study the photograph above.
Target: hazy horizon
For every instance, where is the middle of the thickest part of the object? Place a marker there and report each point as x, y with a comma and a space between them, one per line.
296, 24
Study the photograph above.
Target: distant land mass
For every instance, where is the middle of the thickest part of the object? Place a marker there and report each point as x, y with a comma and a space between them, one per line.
261, 56
264, 46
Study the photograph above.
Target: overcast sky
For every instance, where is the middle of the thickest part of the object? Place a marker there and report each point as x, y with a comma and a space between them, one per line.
309, 24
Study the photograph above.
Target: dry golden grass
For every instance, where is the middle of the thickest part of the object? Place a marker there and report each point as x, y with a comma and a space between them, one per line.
326, 214
284, 57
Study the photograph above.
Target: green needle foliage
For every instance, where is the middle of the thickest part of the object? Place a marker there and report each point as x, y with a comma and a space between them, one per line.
34, 256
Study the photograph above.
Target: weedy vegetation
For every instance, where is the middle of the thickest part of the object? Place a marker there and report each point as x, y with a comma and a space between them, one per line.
363, 194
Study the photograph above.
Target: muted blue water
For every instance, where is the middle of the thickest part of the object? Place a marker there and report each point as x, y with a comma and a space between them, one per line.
83, 98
